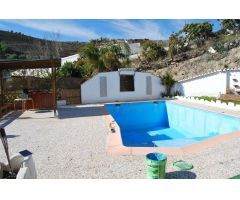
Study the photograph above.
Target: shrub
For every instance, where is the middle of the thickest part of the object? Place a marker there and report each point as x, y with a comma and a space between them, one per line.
153, 51
229, 91
230, 24
176, 45
219, 47
168, 80
177, 93
69, 70
198, 32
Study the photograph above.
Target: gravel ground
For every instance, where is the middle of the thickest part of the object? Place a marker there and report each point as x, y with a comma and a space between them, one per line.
73, 146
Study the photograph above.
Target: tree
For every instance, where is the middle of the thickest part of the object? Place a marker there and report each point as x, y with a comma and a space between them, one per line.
69, 69
230, 24
3, 49
3, 46
176, 45
103, 55
168, 80
91, 54
100, 42
113, 56
198, 32
153, 51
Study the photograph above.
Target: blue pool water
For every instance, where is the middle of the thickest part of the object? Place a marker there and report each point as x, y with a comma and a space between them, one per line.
168, 124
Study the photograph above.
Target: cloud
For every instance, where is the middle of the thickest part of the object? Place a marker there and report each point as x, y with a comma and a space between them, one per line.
142, 29
60, 27
2, 26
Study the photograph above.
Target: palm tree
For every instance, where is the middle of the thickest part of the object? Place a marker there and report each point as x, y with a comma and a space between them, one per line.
92, 54
104, 55
115, 56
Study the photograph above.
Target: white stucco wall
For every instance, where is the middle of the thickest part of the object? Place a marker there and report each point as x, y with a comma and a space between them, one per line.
234, 80
207, 85
90, 90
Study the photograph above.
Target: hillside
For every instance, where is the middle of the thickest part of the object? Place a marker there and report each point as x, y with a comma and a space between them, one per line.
198, 60
20, 46
195, 61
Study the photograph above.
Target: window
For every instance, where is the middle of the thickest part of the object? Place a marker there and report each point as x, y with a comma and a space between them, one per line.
126, 83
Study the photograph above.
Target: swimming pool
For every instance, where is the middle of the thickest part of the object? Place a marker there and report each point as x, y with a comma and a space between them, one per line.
168, 124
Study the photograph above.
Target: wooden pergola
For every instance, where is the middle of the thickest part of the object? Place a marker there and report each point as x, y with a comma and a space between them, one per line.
33, 64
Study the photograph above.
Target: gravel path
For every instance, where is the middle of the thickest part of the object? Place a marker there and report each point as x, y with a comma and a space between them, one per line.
73, 146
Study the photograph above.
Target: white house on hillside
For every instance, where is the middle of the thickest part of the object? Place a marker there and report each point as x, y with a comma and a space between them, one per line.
135, 50
71, 58
122, 85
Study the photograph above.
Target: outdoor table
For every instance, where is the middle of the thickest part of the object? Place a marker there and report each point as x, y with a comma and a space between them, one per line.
24, 102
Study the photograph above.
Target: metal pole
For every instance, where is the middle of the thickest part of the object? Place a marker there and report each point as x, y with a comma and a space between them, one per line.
5, 145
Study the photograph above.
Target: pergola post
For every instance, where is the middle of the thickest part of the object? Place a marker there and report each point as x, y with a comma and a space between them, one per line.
54, 90
32, 64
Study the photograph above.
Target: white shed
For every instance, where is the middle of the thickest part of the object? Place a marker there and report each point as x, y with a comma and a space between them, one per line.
123, 85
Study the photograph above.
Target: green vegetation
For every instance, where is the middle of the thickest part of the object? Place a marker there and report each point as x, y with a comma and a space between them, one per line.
168, 81
7, 53
103, 55
153, 51
176, 45
27, 47
219, 47
230, 24
69, 70
3, 46
198, 32
207, 98
109, 55
97, 56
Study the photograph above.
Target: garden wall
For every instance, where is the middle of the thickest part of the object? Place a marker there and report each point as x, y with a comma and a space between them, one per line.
212, 84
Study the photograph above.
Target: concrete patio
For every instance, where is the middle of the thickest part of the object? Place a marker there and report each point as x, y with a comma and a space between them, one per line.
74, 146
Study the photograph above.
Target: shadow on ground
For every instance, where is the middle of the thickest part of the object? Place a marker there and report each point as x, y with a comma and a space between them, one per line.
75, 112
12, 136
10, 118
43, 111
181, 175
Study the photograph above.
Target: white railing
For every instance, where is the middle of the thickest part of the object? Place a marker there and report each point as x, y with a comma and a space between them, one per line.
218, 103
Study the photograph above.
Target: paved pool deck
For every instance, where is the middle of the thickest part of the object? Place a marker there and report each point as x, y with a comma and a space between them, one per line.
74, 146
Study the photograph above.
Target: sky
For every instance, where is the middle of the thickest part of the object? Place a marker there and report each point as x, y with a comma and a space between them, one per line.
83, 30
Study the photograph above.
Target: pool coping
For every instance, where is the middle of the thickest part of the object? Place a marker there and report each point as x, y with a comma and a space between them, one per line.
114, 144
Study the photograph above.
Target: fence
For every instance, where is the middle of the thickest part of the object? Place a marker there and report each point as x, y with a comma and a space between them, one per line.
35, 83
73, 96
67, 89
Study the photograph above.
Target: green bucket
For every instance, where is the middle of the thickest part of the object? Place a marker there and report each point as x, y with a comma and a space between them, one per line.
156, 165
